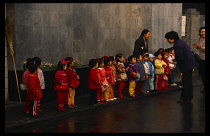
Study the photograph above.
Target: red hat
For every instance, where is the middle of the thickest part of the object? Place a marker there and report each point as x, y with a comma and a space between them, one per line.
62, 62
98, 60
105, 57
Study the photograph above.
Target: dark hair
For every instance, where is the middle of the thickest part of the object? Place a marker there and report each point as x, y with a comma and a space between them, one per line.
130, 58
92, 63
170, 49
69, 59
145, 31
160, 50
163, 53
146, 55
137, 56
32, 68
118, 56
100, 61
37, 60
172, 35
157, 53
60, 66
106, 61
27, 63
201, 29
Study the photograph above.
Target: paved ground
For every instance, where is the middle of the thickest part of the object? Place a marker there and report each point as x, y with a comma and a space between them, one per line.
15, 117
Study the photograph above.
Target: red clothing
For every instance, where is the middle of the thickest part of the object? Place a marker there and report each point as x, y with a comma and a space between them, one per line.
94, 79
109, 74
60, 78
34, 88
167, 68
167, 71
72, 77
25, 77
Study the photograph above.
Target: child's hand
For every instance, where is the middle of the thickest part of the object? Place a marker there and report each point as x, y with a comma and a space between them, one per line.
180, 74
146, 76
127, 69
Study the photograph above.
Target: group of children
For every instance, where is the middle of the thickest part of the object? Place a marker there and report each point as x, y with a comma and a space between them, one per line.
144, 73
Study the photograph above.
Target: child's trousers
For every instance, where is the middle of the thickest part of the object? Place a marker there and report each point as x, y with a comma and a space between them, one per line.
71, 96
62, 98
121, 86
151, 83
33, 107
132, 85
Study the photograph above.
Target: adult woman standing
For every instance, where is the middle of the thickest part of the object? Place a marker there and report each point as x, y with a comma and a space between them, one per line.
201, 47
141, 44
186, 62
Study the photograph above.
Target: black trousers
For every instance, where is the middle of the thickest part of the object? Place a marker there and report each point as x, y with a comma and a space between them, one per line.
202, 71
187, 90
93, 99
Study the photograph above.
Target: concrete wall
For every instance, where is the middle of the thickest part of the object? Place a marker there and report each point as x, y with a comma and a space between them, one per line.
54, 31
194, 22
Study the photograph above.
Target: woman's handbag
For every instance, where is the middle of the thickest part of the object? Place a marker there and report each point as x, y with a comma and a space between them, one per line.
61, 87
22, 86
123, 76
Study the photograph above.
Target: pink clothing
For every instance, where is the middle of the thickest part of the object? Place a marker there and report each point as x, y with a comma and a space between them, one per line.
103, 81
25, 77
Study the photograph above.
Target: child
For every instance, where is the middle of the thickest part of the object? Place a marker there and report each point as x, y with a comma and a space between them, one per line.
145, 84
103, 81
140, 68
166, 70
133, 74
113, 66
34, 89
61, 85
109, 77
172, 65
25, 77
37, 61
93, 81
73, 81
121, 75
152, 74
159, 65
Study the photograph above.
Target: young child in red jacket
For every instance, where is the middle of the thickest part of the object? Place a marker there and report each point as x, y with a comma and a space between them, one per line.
61, 85
166, 70
73, 81
93, 81
34, 89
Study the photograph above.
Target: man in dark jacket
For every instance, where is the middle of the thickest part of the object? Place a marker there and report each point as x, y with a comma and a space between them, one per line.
141, 44
186, 62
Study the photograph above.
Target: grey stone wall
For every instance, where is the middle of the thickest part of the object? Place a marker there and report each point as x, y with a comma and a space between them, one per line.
194, 22
54, 31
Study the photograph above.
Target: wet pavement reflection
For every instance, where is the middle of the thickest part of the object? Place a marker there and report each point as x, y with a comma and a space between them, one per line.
153, 114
